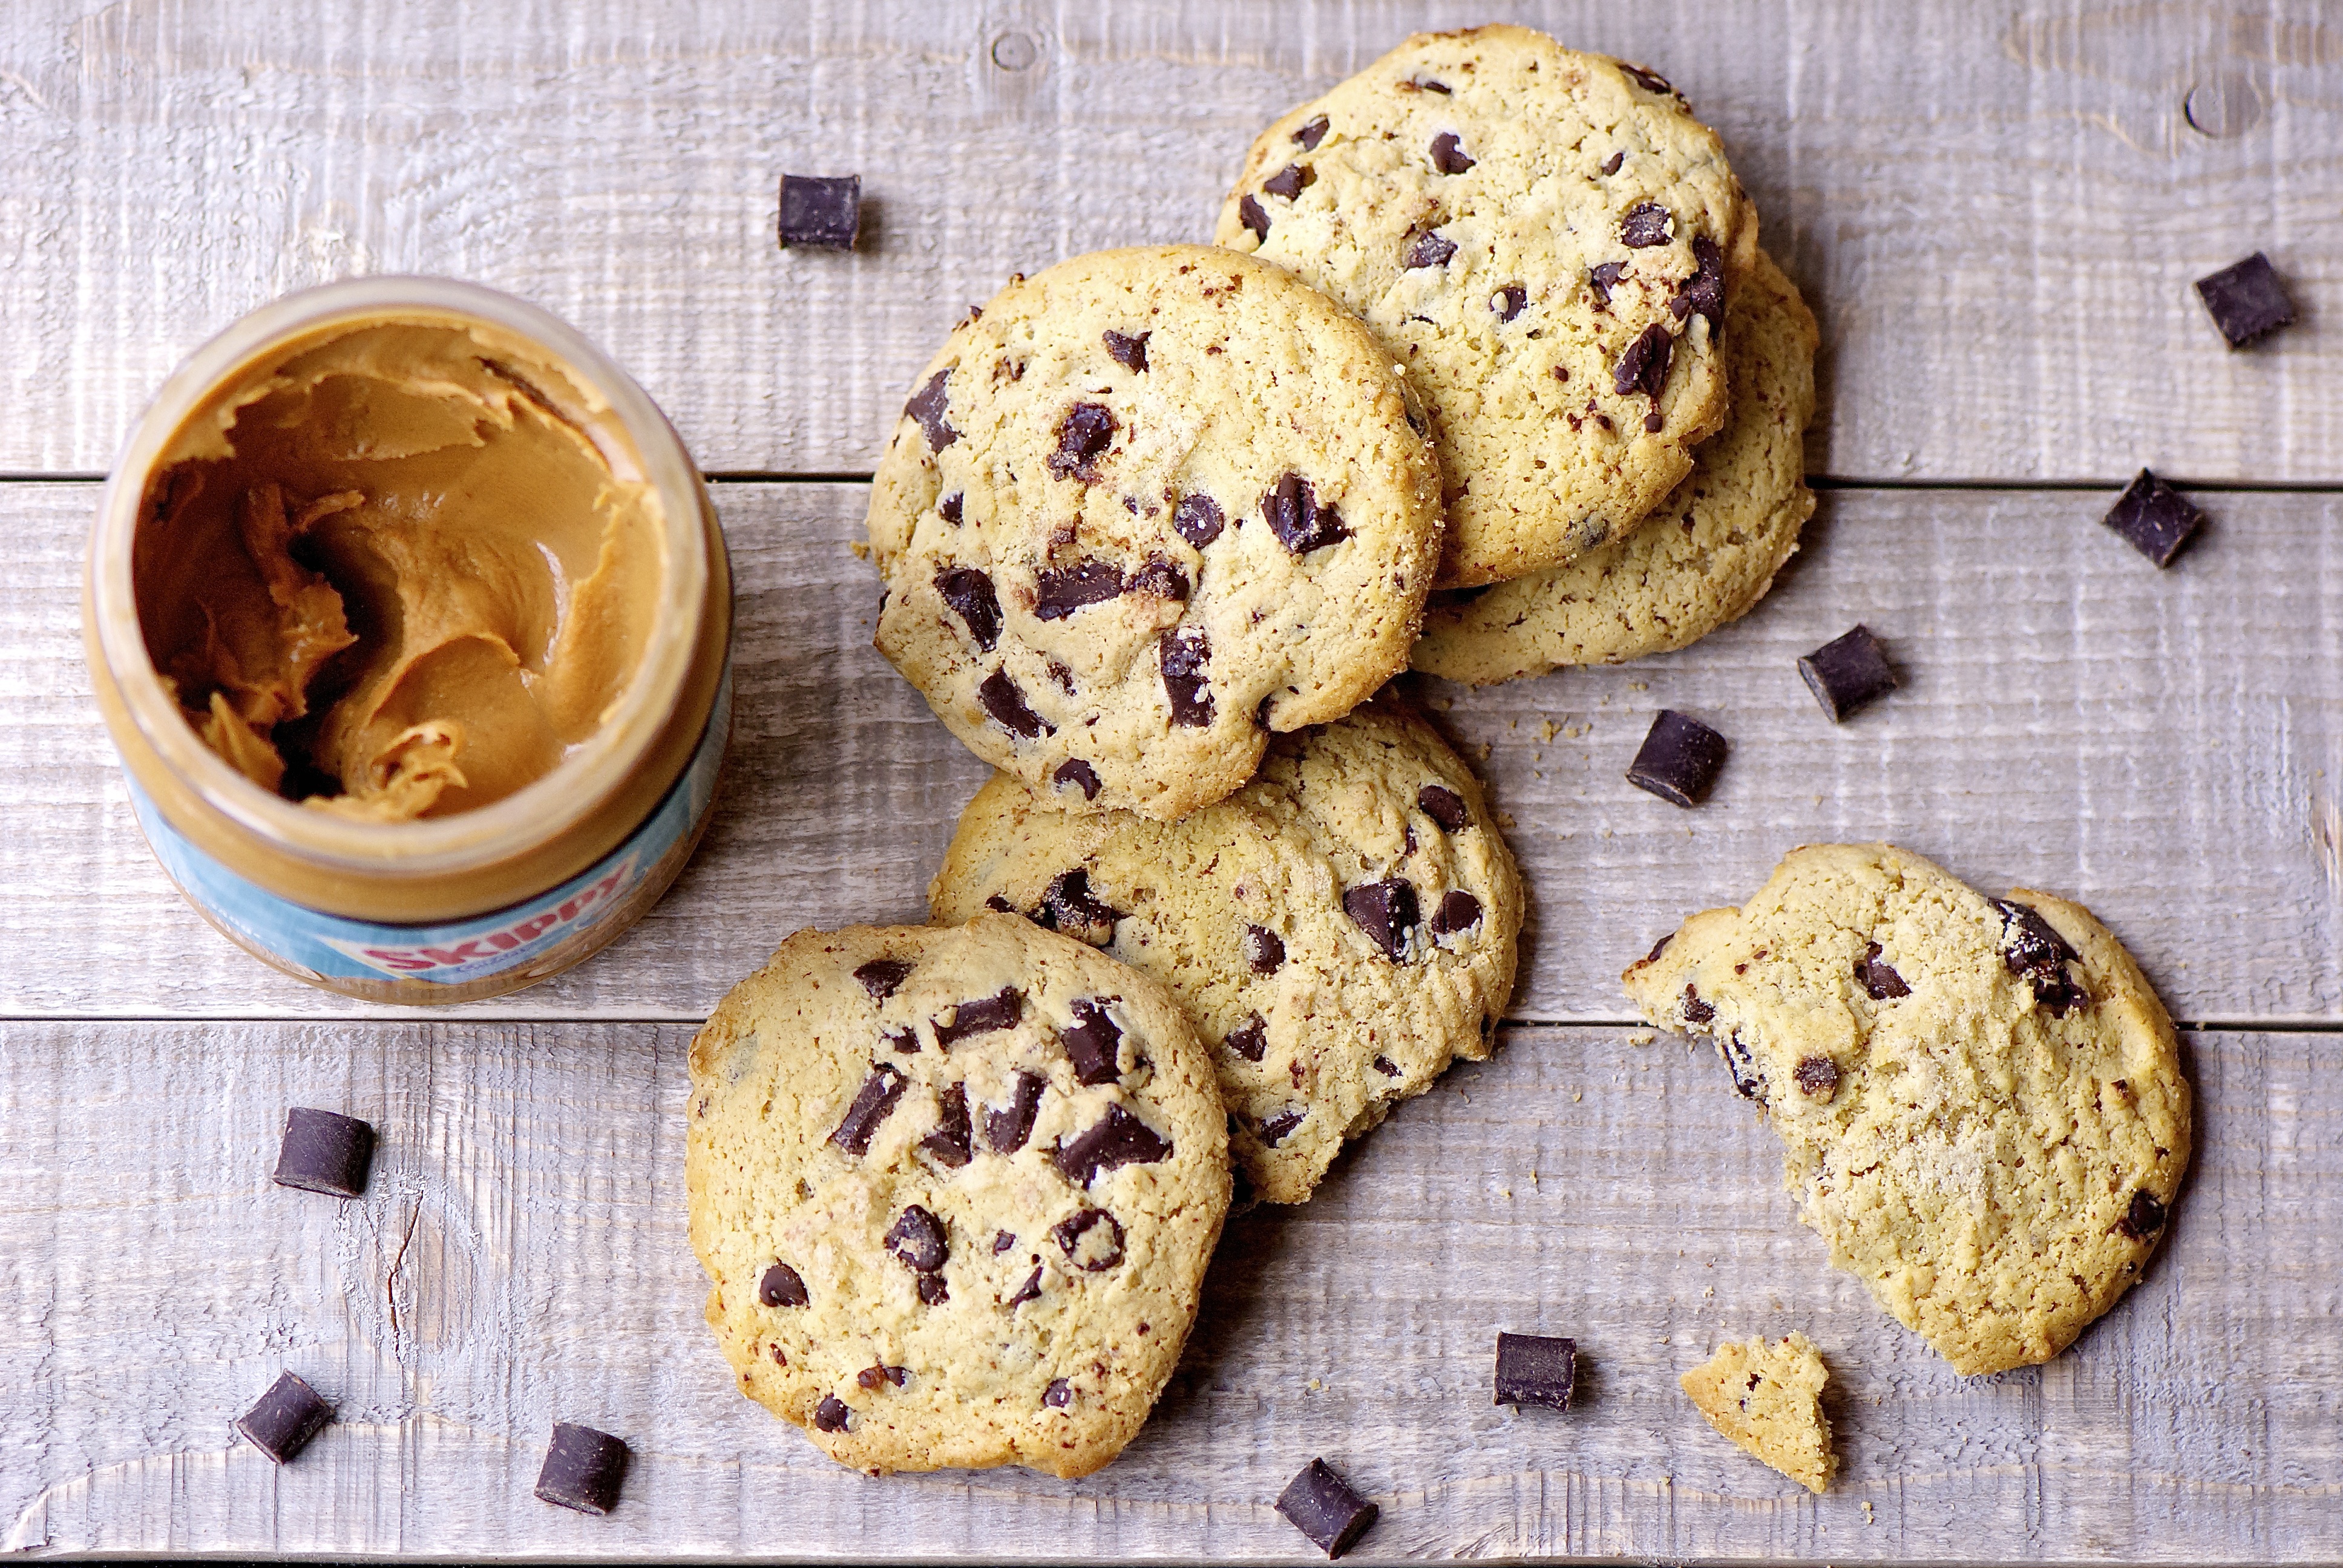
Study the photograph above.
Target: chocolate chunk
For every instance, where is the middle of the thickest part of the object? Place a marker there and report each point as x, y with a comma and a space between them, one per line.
826, 213
1611, 165
1085, 1246
1005, 1129
1817, 1075
1160, 578
1880, 982
583, 1469
1703, 294
1256, 217
1645, 224
950, 508
1083, 436
1299, 523
927, 404
1273, 1129
2034, 951
324, 1153
981, 1016
1093, 1043
903, 1040
1694, 1010
1198, 519
287, 1416
1384, 1065
1458, 911
1005, 700
879, 977
2154, 518
1386, 911
1184, 655
949, 1142
1602, 280
1289, 181
871, 1105
2247, 301
1059, 1394
994, 901
1643, 368
1847, 673
932, 1290
1748, 1079
1001, 1242
1060, 591
1250, 1039
1649, 80
918, 1241
1073, 770
969, 593
1536, 1369
2145, 1218
1030, 1290
1264, 950
1129, 351
1448, 154
1508, 300
831, 1414
1120, 1138
782, 1287
1679, 759
1068, 905
1320, 1504
1429, 249
1312, 132
1444, 806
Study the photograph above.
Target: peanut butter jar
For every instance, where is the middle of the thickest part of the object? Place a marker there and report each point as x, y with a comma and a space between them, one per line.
411, 619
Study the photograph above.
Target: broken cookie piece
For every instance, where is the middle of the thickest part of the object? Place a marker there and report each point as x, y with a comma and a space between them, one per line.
1766, 1395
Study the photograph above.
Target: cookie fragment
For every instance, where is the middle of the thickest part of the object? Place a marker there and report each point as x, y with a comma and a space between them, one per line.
1536, 1369
1765, 1395
1848, 671
2247, 301
821, 212
1679, 759
1322, 1506
325, 1153
287, 1416
583, 1469
2154, 518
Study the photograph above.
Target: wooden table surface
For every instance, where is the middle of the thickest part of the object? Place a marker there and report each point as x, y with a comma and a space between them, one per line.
1996, 211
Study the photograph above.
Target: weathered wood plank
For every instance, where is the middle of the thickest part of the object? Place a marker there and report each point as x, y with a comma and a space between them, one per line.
2166, 748
1999, 229
521, 1257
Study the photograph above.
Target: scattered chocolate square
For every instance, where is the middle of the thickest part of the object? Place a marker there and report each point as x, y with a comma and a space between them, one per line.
325, 1153
823, 212
1679, 759
1322, 1506
1535, 1369
287, 1416
2247, 301
583, 1469
2154, 518
1847, 673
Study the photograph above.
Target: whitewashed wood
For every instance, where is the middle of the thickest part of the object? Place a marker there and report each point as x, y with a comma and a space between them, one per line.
2166, 746
1995, 209
520, 1256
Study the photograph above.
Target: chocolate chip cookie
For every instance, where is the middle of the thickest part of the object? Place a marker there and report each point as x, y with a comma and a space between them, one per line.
954, 1190
1548, 240
1980, 1100
1705, 556
1339, 930
1142, 511
1767, 1396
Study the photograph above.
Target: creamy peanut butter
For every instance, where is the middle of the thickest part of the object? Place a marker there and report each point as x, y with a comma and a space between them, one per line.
386, 574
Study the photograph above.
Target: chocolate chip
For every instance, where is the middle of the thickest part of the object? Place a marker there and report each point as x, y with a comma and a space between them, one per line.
1078, 773
949, 1142
1184, 655
927, 404
1313, 131
934, 1292
1160, 578
1386, 911
1611, 165
2145, 1218
826, 213
2034, 951
1250, 1039
1643, 368
322, 1152
1005, 700
1120, 1138
1458, 911
831, 1414
1694, 1010
1299, 523
1508, 300
1060, 591
1603, 279
1536, 1369
1429, 249
879, 977
1129, 351
1088, 1250
1703, 294
1273, 1129
1093, 1043
1030, 1290
1001, 1242
1289, 181
918, 1241
982, 1015
1059, 1394
1384, 1065
1658, 947
1320, 1504
871, 1105
782, 1287
872, 1377
969, 593
1444, 806
1847, 673
1817, 1075
1198, 519
2247, 301
1068, 905
1423, 84
2154, 518
994, 901
1448, 154
287, 1416
1264, 950
1007, 1130
1748, 1080
1879, 979
1645, 224
1255, 217
1083, 436
583, 1469
1679, 759
950, 508
1649, 80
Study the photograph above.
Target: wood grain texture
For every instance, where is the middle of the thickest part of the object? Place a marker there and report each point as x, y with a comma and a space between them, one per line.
1997, 210
520, 1256
2166, 748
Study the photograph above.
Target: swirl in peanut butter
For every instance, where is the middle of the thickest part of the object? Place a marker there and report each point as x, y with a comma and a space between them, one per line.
389, 575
